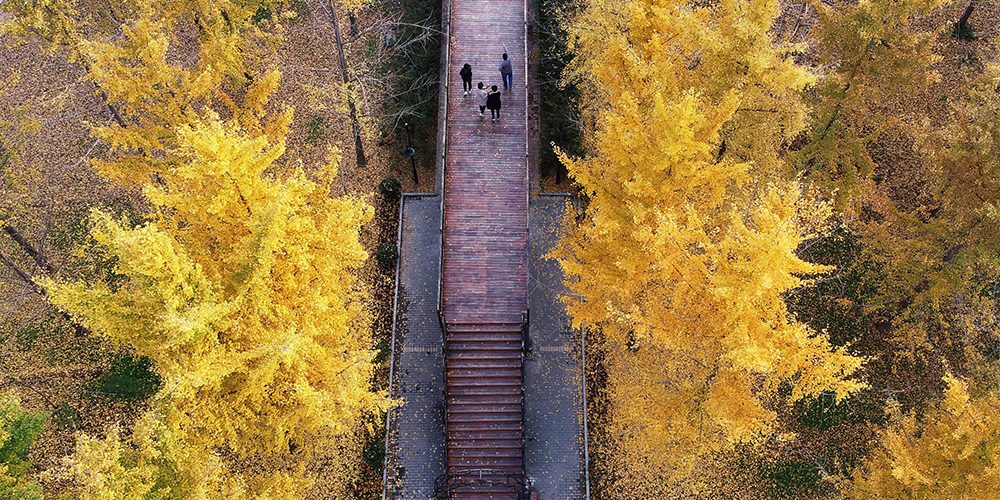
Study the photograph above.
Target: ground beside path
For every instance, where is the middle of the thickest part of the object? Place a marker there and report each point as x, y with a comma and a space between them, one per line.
418, 441
552, 377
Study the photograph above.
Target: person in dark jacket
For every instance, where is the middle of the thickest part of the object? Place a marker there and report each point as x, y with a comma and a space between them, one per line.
493, 102
466, 74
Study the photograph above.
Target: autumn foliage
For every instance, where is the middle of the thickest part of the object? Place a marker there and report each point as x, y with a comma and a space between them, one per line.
240, 282
689, 242
241, 292
720, 145
785, 264
949, 455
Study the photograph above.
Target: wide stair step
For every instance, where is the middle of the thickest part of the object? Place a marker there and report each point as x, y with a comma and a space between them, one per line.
514, 337
512, 416
478, 435
488, 442
483, 327
492, 493
483, 408
484, 426
472, 363
471, 382
484, 345
484, 399
484, 354
508, 464
486, 390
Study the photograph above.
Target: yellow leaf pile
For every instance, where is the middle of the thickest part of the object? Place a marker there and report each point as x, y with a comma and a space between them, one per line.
949, 453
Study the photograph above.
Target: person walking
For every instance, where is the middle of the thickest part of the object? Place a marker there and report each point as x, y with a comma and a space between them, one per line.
493, 102
466, 74
506, 72
481, 97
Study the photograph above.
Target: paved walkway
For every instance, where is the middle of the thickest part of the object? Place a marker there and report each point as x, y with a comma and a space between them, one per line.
485, 253
484, 266
418, 440
552, 380
485, 288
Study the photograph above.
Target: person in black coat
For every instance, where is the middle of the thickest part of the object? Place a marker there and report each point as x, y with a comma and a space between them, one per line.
493, 102
466, 74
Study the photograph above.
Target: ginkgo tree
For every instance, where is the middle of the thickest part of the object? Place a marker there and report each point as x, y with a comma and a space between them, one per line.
156, 95
229, 42
874, 57
949, 453
939, 255
239, 283
241, 288
688, 244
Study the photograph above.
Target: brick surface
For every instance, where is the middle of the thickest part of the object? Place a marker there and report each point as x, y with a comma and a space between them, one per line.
485, 253
552, 378
418, 437
484, 391
484, 280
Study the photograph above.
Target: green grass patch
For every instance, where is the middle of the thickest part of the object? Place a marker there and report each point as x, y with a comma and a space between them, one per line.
792, 479
387, 255
823, 412
369, 482
18, 430
130, 378
65, 416
52, 341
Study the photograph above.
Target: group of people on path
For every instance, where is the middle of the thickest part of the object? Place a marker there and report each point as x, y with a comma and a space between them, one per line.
488, 97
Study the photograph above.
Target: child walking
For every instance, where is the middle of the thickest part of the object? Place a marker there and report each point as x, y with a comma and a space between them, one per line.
493, 102
466, 74
481, 97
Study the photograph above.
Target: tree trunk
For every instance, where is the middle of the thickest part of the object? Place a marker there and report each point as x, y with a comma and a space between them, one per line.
104, 97
962, 21
358, 146
559, 165
114, 111
30, 250
79, 330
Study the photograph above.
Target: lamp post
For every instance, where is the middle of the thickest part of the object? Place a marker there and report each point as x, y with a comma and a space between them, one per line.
409, 152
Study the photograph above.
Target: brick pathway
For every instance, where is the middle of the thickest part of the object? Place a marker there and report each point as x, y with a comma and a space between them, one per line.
552, 380
484, 282
417, 440
485, 205
497, 421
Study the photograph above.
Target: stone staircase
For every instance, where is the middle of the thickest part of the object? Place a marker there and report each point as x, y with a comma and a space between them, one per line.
485, 434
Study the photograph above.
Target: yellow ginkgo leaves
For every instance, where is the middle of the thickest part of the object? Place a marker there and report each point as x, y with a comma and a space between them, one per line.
689, 242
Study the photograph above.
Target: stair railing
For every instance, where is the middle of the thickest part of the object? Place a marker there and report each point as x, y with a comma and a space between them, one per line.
446, 484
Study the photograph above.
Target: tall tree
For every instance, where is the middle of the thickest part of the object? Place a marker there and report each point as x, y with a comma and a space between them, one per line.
941, 255
874, 58
228, 37
690, 233
241, 290
359, 148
